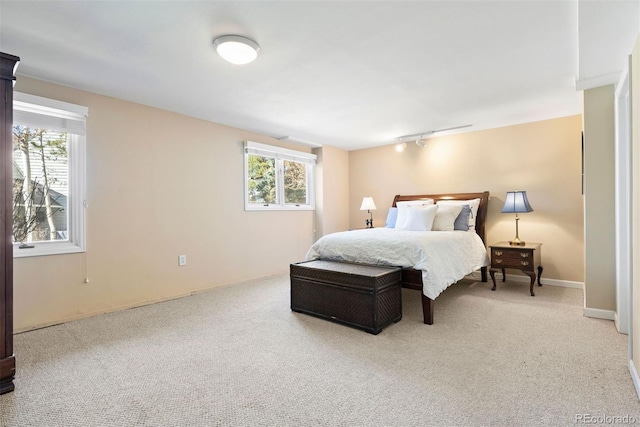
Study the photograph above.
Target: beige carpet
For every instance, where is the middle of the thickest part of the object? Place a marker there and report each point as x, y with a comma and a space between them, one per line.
237, 356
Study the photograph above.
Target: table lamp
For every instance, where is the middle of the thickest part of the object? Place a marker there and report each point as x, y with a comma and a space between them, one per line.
368, 205
516, 202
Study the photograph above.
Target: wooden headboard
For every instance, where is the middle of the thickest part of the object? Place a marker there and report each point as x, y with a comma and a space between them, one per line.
482, 209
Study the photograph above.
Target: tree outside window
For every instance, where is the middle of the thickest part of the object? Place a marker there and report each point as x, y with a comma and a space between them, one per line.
40, 185
295, 182
262, 179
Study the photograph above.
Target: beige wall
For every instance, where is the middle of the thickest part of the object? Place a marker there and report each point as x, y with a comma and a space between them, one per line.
332, 191
543, 158
599, 201
158, 185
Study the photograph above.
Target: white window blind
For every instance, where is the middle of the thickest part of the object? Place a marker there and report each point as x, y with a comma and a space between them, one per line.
37, 112
279, 153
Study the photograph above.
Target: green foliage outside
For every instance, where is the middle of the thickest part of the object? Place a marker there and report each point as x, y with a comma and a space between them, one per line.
295, 182
262, 181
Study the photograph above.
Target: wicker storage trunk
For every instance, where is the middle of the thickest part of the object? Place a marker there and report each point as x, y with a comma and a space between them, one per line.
367, 297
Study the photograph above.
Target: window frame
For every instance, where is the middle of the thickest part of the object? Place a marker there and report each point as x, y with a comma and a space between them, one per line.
280, 155
70, 118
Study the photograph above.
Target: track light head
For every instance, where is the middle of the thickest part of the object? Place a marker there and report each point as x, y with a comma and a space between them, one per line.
401, 146
420, 143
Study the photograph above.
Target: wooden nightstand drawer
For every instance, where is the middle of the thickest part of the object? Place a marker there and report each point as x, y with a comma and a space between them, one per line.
505, 262
525, 254
525, 258
519, 258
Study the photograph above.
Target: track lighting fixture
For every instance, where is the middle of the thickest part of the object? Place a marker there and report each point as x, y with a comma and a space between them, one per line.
419, 137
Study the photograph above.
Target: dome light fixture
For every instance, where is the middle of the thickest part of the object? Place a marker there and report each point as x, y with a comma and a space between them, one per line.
236, 49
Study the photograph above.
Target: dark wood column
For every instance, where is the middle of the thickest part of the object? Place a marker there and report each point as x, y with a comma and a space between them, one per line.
8, 65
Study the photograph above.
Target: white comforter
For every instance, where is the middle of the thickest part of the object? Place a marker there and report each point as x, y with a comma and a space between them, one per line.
443, 256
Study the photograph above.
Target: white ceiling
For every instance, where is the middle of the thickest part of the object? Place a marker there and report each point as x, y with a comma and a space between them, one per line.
351, 74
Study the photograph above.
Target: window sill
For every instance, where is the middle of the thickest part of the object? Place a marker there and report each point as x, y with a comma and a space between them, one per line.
279, 208
43, 249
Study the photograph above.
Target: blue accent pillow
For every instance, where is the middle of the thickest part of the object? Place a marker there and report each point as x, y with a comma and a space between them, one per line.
392, 216
462, 221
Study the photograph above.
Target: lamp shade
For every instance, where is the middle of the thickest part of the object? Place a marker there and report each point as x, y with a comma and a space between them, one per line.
367, 204
516, 202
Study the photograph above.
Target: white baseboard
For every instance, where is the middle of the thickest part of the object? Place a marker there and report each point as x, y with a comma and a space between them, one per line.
634, 377
550, 282
588, 312
620, 327
599, 314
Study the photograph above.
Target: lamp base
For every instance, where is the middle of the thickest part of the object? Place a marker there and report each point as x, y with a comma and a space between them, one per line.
370, 220
516, 241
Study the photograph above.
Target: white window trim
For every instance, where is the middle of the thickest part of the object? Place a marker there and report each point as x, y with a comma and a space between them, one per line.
74, 117
279, 154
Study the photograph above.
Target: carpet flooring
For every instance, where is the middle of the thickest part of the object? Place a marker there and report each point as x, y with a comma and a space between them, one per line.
238, 356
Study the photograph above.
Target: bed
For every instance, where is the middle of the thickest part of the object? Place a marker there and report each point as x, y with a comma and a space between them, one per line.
431, 261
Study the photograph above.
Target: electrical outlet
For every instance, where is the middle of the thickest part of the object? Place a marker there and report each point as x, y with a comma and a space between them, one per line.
182, 260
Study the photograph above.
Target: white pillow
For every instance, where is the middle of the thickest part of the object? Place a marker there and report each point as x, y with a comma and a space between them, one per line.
403, 206
420, 218
473, 205
446, 217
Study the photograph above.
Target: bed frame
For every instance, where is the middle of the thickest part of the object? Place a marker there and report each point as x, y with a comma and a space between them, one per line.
411, 278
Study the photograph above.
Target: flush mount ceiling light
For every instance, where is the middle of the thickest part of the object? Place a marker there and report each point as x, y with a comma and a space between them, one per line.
236, 49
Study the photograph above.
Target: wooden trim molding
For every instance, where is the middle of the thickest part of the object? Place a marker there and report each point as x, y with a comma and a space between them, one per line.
8, 65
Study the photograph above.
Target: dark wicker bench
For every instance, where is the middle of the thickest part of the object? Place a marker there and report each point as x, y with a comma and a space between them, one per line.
367, 297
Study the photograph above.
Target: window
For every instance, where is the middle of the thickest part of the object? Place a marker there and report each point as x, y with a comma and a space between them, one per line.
48, 176
277, 178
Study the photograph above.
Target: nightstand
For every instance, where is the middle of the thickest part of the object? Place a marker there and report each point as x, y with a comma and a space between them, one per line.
525, 258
